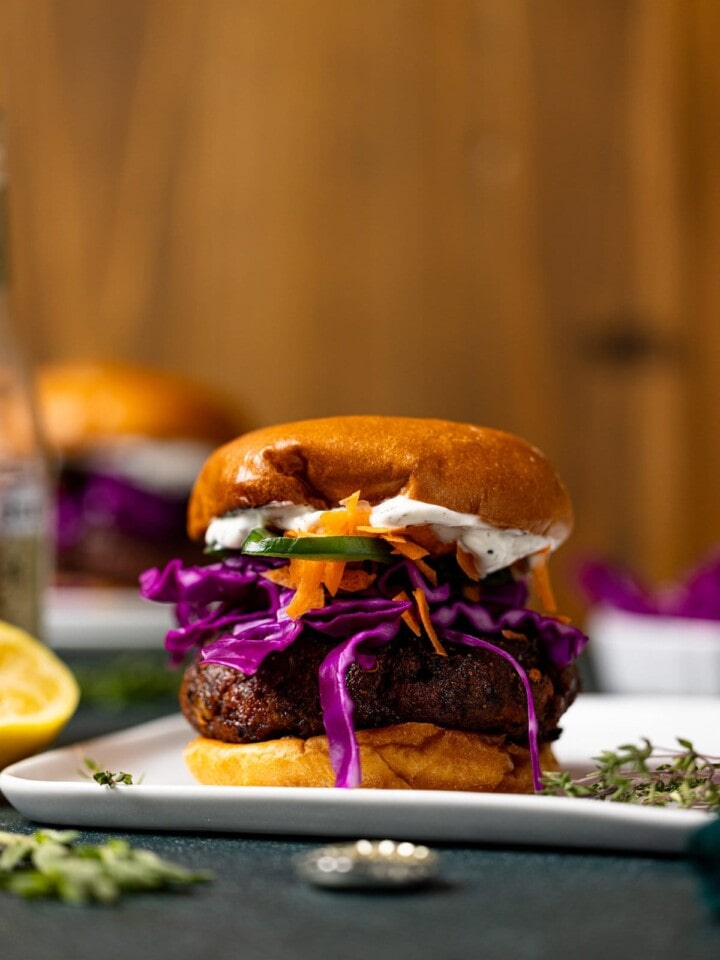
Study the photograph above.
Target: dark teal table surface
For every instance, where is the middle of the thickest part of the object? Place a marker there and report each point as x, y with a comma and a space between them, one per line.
487, 903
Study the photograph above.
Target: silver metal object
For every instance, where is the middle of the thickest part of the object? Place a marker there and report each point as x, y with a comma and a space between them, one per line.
368, 864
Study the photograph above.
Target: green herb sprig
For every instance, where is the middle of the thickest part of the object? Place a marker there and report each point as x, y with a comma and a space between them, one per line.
50, 863
106, 778
646, 774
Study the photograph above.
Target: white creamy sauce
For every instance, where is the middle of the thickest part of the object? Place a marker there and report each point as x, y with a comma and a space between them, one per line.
231, 531
492, 547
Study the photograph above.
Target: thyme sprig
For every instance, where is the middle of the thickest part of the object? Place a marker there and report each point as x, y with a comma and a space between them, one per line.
106, 778
646, 774
50, 863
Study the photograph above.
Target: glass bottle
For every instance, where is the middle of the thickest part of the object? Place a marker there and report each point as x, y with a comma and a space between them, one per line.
24, 501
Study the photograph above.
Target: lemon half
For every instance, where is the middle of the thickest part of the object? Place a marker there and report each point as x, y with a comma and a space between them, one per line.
38, 695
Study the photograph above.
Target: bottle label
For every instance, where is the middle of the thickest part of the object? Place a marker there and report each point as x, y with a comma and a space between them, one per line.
23, 558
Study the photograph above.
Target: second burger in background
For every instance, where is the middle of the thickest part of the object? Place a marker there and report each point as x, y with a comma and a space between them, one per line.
128, 442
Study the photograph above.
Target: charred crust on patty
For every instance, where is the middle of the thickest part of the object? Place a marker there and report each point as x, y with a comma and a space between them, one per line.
470, 689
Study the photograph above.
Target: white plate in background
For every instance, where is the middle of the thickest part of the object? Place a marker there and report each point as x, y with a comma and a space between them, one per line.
104, 618
643, 653
49, 789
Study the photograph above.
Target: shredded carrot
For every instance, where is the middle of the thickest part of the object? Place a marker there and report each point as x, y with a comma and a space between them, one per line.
424, 611
355, 579
541, 581
334, 574
406, 548
358, 512
427, 571
310, 578
413, 551
471, 592
394, 536
409, 617
386, 532
282, 576
309, 594
513, 635
351, 505
467, 563
330, 523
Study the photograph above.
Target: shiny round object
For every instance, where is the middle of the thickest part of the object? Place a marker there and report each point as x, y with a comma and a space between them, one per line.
368, 864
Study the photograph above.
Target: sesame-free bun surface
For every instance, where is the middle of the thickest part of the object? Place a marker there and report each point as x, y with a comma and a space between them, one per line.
408, 756
84, 403
500, 478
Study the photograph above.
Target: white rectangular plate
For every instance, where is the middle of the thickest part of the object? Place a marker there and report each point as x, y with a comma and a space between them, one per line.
49, 789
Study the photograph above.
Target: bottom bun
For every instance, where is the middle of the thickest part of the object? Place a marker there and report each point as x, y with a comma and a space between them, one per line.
407, 756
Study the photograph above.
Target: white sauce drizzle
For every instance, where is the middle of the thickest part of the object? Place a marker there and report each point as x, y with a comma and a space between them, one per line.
492, 547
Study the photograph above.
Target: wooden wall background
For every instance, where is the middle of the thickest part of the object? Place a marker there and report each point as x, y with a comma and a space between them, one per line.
505, 211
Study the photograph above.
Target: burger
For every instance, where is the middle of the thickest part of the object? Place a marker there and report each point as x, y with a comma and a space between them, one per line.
127, 442
366, 621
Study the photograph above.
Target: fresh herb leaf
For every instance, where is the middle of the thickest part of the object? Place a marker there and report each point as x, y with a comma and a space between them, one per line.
645, 774
50, 863
106, 778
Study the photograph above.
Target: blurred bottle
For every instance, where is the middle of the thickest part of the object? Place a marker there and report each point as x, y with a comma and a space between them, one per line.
24, 499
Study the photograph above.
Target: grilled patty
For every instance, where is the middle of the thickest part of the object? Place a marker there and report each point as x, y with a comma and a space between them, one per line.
470, 689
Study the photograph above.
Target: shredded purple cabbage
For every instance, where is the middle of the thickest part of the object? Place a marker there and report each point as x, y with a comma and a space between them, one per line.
89, 500
226, 601
343, 617
562, 641
234, 616
336, 703
396, 576
249, 643
696, 595
454, 637
233, 579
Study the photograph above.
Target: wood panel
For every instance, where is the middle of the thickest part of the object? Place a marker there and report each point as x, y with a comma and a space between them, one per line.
699, 128
299, 187
494, 210
613, 248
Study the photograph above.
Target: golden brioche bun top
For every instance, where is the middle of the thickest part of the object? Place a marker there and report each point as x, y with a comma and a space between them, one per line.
82, 403
498, 477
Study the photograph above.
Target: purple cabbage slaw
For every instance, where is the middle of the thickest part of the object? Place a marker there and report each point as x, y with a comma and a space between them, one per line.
235, 617
88, 500
696, 595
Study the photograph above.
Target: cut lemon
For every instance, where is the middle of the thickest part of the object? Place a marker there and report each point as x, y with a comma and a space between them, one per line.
38, 695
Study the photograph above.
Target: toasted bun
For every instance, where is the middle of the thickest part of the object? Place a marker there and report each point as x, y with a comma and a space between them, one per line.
500, 478
407, 756
85, 403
